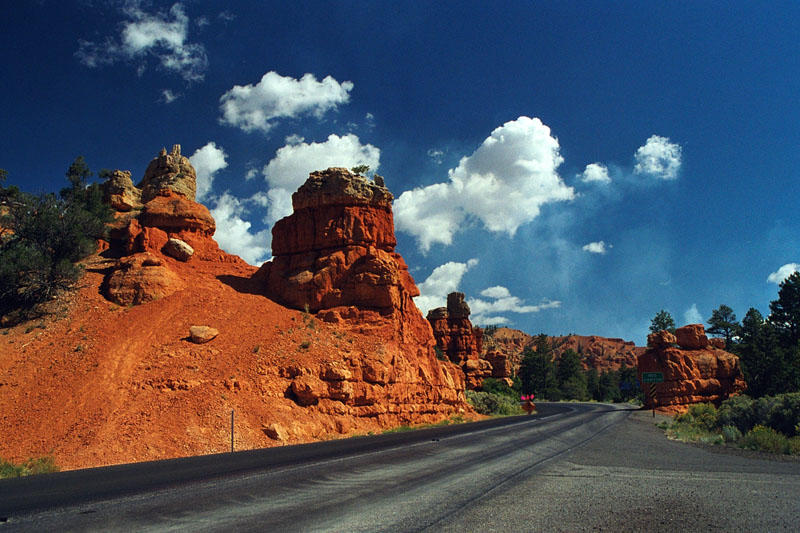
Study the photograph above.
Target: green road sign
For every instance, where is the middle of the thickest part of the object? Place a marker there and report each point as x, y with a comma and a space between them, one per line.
652, 377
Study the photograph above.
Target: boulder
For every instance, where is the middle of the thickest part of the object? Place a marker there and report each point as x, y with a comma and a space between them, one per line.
169, 172
717, 342
275, 431
691, 337
307, 389
178, 249
661, 338
141, 278
202, 334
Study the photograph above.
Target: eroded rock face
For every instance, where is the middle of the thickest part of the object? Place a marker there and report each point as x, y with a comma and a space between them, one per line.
661, 339
461, 343
337, 248
141, 278
334, 256
698, 371
173, 212
691, 337
604, 354
169, 172
120, 193
163, 209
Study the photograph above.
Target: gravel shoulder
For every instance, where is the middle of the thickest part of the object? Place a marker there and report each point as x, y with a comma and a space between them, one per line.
632, 478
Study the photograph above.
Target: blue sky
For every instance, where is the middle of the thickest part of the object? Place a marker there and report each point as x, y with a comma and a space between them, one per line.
571, 167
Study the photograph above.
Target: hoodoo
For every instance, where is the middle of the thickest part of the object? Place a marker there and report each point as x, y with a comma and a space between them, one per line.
159, 216
459, 341
334, 256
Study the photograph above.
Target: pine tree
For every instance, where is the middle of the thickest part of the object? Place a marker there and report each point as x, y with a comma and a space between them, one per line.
723, 323
785, 311
662, 321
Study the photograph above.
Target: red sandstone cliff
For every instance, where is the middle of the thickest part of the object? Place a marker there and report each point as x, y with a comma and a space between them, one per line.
600, 353
696, 370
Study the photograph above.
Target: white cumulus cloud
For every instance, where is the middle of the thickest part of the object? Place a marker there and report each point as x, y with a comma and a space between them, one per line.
692, 316
256, 107
234, 234
292, 164
500, 300
446, 278
659, 158
498, 291
503, 184
598, 247
783, 272
206, 162
163, 36
443, 280
595, 172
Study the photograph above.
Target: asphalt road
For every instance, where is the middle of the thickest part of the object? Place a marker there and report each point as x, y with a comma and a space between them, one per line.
574, 467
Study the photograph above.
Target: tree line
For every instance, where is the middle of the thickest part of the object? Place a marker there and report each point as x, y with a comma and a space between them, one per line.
565, 379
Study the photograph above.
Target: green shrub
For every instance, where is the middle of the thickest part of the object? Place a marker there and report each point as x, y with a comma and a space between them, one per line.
781, 412
703, 415
737, 411
712, 438
794, 445
785, 416
40, 465
731, 433
763, 409
440, 354
553, 394
487, 403
9, 469
496, 386
765, 439
48, 236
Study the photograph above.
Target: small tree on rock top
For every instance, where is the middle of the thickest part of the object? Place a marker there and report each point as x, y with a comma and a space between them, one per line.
662, 321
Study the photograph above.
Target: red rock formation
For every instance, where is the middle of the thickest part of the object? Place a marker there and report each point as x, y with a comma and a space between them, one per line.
174, 213
141, 278
169, 172
334, 256
459, 341
119, 192
454, 333
162, 209
337, 248
695, 371
141, 390
601, 353
502, 367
